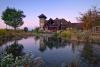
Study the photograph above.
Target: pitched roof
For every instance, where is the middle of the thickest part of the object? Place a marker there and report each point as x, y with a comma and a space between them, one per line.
57, 23
42, 16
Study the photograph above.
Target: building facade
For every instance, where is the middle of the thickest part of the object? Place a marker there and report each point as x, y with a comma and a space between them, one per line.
42, 20
56, 24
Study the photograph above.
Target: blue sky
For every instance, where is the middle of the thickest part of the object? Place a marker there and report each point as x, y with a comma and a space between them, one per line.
68, 9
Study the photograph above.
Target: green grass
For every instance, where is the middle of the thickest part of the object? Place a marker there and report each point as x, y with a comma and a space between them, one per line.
65, 34
37, 32
13, 34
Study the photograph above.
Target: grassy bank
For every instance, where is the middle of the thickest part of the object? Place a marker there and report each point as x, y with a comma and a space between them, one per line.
6, 35
76, 35
12, 33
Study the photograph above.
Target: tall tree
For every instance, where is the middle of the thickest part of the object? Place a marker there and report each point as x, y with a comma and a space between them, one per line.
90, 18
13, 17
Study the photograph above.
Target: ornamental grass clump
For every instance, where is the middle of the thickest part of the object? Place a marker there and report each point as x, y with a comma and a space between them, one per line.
65, 34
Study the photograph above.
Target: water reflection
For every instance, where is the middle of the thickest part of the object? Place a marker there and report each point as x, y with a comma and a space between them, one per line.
88, 55
36, 38
15, 49
2, 41
57, 52
51, 42
42, 47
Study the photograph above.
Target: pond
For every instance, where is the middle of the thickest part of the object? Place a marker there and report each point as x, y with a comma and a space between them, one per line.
56, 52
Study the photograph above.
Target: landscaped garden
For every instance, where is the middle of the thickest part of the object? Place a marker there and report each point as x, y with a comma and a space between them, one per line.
55, 43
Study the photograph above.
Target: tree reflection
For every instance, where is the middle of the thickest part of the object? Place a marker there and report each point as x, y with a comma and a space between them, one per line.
3, 41
15, 49
74, 64
51, 42
36, 37
88, 54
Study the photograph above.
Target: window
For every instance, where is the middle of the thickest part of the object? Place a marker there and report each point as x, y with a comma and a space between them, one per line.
98, 29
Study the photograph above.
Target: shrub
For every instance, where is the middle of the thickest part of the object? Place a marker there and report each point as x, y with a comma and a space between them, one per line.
25, 29
85, 35
21, 61
65, 34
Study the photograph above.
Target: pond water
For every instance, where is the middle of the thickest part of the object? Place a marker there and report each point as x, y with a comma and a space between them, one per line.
60, 53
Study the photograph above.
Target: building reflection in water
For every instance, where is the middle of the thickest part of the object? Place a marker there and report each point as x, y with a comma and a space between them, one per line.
54, 42
82, 52
42, 47
51, 42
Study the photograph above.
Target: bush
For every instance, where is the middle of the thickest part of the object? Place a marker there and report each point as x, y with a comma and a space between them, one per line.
85, 35
25, 29
64, 34
7, 60
37, 31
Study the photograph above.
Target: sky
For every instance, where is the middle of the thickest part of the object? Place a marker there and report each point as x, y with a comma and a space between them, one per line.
68, 9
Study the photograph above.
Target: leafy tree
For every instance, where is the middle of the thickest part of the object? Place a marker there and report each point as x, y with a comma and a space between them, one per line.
13, 17
25, 29
90, 18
